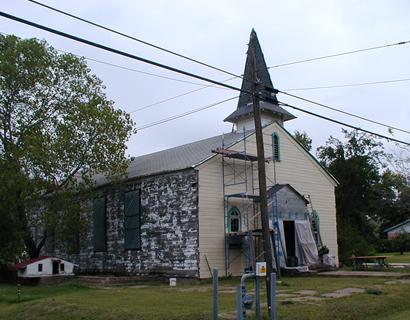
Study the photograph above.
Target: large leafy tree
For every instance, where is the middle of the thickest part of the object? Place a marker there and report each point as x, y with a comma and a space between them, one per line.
356, 163
57, 130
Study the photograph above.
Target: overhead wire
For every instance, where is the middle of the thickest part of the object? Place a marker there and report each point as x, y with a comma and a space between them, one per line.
344, 123
348, 85
344, 112
131, 37
175, 97
184, 114
119, 52
339, 54
72, 37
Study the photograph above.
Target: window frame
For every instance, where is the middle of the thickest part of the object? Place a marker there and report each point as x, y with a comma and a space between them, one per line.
276, 154
137, 216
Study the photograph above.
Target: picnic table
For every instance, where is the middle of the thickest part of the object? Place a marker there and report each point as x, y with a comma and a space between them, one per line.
362, 262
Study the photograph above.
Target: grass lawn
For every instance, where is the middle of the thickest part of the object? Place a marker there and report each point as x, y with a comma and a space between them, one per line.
156, 301
396, 257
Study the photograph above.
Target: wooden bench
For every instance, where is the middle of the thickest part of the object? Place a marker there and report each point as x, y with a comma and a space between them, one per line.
363, 262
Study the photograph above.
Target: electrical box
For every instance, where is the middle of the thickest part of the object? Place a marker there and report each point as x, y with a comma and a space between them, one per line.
172, 282
261, 269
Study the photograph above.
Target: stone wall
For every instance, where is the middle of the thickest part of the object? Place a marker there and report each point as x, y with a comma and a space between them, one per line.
169, 229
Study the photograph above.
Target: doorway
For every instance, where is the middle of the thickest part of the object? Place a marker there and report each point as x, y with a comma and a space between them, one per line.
55, 267
289, 231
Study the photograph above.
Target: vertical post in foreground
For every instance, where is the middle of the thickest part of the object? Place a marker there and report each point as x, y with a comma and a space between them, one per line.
215, 295
239, 306
257, 298
273, 296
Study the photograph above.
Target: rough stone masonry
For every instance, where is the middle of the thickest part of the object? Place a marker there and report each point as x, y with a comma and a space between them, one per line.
168, 226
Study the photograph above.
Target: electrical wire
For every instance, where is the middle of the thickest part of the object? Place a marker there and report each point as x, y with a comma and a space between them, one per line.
348, 85
344, 112
175, 97
340, 54
184, 114
119, 52
131, 37
344, 124
72, 37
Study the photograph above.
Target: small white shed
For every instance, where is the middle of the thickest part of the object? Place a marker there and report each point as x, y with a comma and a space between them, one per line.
44, 267
394, 231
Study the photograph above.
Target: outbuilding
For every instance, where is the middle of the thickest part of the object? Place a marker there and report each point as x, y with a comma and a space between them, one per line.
394, 231
44, 266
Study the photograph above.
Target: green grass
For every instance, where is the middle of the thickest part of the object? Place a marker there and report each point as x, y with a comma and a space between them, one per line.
396, 257
157, 301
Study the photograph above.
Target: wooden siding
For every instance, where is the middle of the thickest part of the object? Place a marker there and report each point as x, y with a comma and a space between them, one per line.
296, 168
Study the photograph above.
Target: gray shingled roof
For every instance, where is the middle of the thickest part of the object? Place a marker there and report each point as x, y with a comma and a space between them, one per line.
264, 106
178, 158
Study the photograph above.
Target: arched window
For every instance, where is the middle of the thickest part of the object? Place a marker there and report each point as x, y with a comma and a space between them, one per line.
275, 147
234, 220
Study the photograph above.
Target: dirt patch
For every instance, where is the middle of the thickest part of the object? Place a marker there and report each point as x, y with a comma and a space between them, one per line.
194, 289
307, 292
345, 292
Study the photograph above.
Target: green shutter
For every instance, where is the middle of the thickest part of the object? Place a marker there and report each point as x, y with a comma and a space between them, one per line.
132, 236
275, 147
99, 214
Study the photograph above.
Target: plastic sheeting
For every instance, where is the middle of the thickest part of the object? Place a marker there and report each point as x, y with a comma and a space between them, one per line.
306, 249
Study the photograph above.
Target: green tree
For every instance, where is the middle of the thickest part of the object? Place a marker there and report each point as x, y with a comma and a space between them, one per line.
356, 164
57, 130
391, 205
303, 139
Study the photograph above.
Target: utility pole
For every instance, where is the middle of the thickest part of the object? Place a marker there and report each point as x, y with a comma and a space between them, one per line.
266, 237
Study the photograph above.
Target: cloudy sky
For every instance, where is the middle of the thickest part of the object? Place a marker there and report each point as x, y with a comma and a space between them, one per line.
217, 32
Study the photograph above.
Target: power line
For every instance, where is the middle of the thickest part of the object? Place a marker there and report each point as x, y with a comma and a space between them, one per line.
177, 70
344, 124
131, 37
119, 52
134, 70
348, 85
175, 97
344, 112
340, 54
184, 114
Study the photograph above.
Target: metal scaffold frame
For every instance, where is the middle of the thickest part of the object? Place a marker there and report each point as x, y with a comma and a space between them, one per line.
238, 176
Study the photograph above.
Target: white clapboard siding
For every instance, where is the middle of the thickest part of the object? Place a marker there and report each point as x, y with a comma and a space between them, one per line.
296, 168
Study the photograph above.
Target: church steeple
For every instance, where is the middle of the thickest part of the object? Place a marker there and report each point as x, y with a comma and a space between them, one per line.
243, 115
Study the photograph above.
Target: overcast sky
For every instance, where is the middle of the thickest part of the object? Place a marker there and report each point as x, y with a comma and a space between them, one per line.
217, 32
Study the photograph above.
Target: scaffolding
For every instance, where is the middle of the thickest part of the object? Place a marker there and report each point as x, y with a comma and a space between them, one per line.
238, 170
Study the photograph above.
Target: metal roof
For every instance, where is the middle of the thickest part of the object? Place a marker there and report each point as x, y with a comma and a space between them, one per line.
178, 158
397, 225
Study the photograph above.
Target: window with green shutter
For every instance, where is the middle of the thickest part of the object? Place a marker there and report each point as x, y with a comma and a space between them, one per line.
132, 209
275, 147
100, 228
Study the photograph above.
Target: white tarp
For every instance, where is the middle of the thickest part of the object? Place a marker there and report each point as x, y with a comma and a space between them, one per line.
306, 249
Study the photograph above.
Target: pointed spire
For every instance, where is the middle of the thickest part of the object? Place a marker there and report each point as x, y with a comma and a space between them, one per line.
262, 73
256, 65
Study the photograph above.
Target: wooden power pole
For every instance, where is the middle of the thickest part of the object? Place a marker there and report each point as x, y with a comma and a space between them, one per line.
266, 237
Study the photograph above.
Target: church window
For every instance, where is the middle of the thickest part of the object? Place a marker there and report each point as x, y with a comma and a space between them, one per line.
234, 220
275, 147
132, 230
100, 228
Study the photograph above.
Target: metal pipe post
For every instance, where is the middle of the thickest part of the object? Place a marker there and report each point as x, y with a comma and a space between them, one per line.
257, 299
239, 306
215, 295
272, 296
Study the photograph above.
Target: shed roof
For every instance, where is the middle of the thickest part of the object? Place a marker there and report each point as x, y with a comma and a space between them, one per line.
23, 264
278, 187
397, 225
